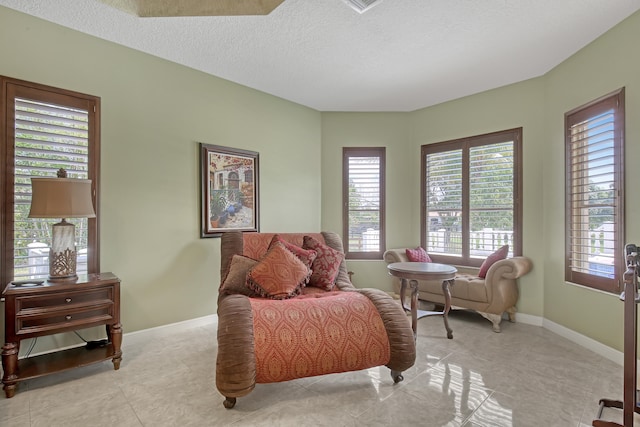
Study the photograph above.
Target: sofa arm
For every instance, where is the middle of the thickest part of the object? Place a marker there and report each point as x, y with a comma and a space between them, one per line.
396, 255
510, 268
235, 364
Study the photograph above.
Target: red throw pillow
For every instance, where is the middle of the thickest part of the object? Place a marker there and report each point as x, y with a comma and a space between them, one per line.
418, 255
279, 274
326, 266
492, 259
307, 256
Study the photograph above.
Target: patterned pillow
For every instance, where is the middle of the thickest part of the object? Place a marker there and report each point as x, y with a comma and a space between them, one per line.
326, 266
307, 256
492, 259
279, 274
418, 255
236, 280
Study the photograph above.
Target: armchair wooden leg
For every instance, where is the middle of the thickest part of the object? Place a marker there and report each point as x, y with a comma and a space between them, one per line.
397, 376
229, 402
512, 314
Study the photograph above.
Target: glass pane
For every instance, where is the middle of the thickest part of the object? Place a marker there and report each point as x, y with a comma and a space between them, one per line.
364, 204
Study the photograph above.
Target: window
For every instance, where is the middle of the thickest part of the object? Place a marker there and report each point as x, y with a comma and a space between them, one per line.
471, 203
594, 137
44, 129
363, 202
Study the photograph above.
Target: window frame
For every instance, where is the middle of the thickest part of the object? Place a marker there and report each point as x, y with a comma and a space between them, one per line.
614, 100
10, 89
465, 144
380, 153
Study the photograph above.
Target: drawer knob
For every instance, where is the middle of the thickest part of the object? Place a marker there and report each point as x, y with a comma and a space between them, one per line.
68, 317
68, 300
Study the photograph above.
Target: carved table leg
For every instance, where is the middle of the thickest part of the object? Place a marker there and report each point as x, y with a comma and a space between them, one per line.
447, 306
414, 307
114, 332
10, 368
403, 290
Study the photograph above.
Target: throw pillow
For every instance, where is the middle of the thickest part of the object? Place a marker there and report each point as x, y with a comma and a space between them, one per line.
326, 266
492, 259
279, 274
418, 255
307, 256
236, 280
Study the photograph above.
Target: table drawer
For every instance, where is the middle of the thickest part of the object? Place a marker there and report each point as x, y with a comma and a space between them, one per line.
61, 319
63, 299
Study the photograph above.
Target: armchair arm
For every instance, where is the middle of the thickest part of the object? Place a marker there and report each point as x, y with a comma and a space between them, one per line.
399, 332
395, 255
510, 268
235, 364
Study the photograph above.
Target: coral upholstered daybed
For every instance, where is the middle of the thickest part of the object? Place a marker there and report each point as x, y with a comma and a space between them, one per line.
287, 309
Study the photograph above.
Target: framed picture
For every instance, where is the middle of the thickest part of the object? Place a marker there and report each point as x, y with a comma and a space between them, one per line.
229, 195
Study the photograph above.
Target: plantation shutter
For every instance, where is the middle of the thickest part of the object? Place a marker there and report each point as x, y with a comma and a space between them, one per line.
491, 204
594, 189
444, 202
47, 129
364, 180
47, 137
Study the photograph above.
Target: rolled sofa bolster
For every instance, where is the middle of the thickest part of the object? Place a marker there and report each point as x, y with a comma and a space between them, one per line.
510, 268
399, 332
236, 364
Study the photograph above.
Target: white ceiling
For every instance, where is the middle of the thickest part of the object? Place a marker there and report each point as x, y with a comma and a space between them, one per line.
401, 55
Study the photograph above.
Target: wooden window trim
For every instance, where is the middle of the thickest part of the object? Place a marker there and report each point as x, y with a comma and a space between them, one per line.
11, 88
379, 152
614, 100
465, 144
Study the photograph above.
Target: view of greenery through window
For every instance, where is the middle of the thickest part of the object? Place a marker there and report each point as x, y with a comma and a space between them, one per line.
364, 200
469, 195
47, 137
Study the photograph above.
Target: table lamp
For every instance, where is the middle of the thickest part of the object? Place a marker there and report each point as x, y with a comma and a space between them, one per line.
62, 197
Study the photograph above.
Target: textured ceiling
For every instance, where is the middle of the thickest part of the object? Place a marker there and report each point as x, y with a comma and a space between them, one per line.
400, 55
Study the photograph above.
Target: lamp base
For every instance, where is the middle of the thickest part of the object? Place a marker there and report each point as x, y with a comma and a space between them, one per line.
63, 256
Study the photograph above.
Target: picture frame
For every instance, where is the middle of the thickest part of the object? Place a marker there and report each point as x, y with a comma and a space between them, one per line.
229, 190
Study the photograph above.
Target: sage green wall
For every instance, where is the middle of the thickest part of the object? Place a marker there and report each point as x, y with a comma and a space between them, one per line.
153, 114
609, 63
390, 130
538, 106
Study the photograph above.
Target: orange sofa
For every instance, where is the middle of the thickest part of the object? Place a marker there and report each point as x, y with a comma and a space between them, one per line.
315, 332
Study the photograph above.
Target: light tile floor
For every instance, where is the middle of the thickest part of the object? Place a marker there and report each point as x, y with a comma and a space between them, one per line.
524, 376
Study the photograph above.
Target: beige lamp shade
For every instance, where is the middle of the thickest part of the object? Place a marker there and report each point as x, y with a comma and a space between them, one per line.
61, 198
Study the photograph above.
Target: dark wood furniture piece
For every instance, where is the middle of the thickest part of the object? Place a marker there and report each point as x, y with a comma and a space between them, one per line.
55, 307
629, 404
414, 271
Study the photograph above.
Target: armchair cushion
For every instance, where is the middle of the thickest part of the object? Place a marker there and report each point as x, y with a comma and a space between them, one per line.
326, 265
279, 274
307, 256
236, 280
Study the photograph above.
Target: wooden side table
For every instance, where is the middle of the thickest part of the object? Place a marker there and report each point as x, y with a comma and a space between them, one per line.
55, 307
414, 271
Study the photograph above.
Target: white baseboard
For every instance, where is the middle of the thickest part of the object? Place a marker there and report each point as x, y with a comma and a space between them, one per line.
166, 330
586, 342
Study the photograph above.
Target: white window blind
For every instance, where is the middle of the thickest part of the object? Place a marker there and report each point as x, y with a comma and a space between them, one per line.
593, 196
491, 181
470, 197
444, 202
47, 137
364, 200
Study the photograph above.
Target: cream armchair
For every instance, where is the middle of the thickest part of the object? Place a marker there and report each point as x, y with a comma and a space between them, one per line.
490, 297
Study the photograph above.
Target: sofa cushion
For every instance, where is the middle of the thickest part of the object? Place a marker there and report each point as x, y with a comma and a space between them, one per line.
418, 255
501, 253
307, 256
326, 265
279, 274
236, 280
